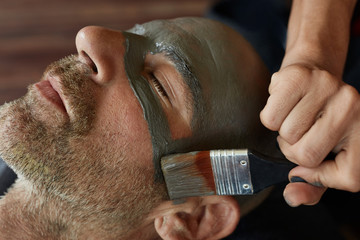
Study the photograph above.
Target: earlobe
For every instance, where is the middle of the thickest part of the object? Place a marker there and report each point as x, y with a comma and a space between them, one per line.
210, 217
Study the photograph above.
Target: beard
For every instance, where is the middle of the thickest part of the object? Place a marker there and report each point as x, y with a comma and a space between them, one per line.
63, 158
32, 132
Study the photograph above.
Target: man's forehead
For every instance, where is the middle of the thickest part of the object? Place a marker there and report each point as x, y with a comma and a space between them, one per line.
169, 26
182, 32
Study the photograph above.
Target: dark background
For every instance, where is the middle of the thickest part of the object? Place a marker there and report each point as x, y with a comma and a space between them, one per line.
34, 33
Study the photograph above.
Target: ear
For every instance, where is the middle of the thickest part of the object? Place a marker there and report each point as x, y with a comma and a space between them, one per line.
210, 217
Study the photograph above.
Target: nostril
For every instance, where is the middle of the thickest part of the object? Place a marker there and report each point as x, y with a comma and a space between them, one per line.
86, 58
93, 67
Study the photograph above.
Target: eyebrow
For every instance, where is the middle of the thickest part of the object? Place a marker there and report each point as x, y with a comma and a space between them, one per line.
190, 80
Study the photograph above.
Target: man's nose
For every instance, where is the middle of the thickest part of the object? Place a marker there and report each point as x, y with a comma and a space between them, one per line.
103, 50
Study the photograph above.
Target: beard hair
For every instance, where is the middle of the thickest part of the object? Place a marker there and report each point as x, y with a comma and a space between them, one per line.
27, 142
64, 163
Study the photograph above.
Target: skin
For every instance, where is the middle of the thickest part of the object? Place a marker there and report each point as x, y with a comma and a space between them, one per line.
205, 85
88, 164
310, 106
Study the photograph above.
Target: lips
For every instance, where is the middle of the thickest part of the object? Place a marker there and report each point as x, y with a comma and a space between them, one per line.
48, 91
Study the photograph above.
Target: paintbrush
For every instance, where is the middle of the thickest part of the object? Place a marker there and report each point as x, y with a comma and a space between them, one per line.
222, 172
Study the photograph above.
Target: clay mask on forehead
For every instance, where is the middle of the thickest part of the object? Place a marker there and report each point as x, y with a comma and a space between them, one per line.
228, 83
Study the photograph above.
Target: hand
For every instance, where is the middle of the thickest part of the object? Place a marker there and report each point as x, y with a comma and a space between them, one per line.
315, 113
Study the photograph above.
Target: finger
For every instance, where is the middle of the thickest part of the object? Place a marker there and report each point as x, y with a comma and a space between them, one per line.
326, 132
312, 148
287, 150
300, 119
275, 79
276, 108
342, 173
296, 194
310, 107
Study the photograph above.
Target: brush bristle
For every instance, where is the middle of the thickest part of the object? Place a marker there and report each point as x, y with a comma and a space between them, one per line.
188, 174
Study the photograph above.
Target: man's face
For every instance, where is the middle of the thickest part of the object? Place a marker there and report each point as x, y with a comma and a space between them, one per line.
92, 131
82, 139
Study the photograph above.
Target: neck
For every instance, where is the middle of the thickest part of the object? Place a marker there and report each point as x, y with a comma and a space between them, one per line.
27, 214
24, 213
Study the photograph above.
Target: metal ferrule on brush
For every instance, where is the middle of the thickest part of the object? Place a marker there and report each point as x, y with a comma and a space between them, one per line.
215, 172
231, 171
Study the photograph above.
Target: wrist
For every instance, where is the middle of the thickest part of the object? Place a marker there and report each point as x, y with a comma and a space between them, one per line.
312, 57
318, 34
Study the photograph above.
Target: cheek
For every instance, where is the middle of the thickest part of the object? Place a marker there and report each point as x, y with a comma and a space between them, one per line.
179, 126
121, 126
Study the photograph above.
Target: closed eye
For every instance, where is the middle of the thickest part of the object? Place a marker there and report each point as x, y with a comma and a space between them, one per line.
157, 85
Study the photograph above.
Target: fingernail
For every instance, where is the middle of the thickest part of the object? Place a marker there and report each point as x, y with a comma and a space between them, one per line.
290, 203
317, 184
297, 179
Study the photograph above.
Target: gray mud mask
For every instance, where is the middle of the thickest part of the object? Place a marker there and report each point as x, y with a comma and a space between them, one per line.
229, 86
136, 49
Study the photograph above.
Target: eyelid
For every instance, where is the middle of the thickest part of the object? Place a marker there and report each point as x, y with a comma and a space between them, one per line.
159, 85
165, 83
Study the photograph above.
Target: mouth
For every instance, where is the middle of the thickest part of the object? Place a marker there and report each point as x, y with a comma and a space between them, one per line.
50, 90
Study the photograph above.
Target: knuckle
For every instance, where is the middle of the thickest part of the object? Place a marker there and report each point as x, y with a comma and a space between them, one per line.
274, 81
290, 134
269, 121
351, 181
274, 77
289, 154
350, 95
270, 116
327, 83
290, 80
348, 102
308, 156
301, 73
326, 78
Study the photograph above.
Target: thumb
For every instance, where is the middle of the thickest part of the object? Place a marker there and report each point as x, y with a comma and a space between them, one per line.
341, 173
305, 187
298, 193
